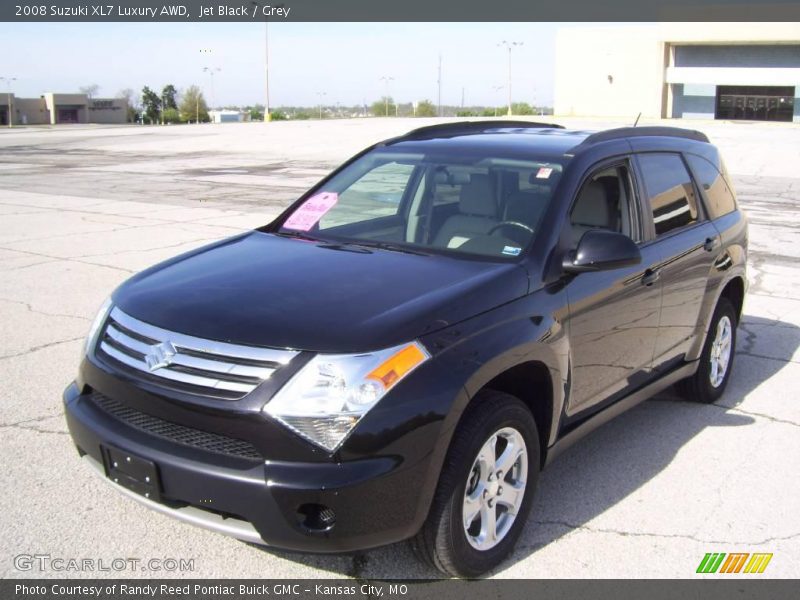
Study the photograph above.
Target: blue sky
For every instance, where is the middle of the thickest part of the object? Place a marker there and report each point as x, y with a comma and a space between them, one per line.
343, 60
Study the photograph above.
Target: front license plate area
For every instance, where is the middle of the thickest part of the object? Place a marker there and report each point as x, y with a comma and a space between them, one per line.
136, 474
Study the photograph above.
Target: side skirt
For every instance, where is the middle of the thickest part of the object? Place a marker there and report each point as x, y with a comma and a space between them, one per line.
619, 407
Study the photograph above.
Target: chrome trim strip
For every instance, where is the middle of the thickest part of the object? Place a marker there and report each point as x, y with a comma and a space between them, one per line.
167, 373
237, 528
189, 342
127, 341
195, 362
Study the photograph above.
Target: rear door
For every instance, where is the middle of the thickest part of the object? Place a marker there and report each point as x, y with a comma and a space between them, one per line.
688, 243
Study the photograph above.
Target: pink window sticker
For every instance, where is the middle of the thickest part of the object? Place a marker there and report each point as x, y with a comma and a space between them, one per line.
311, 211
544, 173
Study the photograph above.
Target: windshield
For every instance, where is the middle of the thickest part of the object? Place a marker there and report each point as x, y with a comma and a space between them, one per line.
479, 205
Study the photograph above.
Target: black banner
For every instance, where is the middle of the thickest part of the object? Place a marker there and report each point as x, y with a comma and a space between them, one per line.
407, 10
713, 588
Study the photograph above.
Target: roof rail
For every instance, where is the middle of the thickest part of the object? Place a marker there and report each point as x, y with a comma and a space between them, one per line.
459, 127
626, 132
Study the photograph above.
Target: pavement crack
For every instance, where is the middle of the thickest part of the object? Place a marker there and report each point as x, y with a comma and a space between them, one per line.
68, 259
694, 538
41, 347
30, 425
41, 312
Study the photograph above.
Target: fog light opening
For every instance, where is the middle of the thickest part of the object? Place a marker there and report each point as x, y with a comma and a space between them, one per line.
316, 517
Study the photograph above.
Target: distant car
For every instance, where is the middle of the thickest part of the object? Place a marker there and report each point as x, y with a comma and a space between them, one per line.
400, 353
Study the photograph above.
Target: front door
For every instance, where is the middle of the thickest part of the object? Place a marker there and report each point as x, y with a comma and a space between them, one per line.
614, 314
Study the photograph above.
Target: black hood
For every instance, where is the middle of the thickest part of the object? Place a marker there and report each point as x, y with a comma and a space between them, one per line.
266, 290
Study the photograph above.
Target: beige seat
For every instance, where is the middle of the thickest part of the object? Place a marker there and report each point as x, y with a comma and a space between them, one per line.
591, 211
477, 214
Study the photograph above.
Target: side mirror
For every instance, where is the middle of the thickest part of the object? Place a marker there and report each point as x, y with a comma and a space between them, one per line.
601, 250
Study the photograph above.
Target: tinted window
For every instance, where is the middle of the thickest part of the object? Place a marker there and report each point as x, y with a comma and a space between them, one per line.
375, 194
719, 195
454, 202
605, 202
670, 191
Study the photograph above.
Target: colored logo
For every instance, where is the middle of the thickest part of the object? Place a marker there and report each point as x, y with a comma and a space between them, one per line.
735, 562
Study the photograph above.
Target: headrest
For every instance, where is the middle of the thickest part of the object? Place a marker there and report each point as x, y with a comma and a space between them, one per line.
477, 198
591, 209
526, 206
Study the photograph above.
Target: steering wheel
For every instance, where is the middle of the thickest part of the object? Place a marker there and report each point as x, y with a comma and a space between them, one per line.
514, 223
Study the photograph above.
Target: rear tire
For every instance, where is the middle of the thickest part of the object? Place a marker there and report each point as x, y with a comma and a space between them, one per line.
477, 516
716, 361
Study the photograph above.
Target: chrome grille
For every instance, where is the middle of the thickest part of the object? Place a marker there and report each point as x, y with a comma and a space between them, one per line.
185, 362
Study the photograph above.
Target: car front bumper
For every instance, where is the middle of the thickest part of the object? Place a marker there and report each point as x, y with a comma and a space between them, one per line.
376, 501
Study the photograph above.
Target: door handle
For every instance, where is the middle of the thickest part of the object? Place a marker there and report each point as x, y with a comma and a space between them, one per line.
650, 277
711, 244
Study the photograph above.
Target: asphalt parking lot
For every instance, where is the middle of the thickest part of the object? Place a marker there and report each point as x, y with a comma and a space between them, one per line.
82, 208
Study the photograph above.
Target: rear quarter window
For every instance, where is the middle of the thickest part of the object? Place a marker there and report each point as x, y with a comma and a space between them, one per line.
719, 196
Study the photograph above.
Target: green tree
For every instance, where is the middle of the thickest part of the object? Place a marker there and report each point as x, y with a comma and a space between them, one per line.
256, 113
425, 108
151, 104
171, 115
521, 108
277, 115
383, 107
193, 105
168, 97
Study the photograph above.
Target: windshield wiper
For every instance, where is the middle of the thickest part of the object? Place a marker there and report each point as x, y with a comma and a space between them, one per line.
297, 234
389, 246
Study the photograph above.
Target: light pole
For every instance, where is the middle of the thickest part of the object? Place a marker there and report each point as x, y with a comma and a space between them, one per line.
386, 79
267, 117
211, 71
8, 81
320, 96
509, 45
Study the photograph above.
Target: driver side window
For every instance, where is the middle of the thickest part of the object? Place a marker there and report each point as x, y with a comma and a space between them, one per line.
606, 201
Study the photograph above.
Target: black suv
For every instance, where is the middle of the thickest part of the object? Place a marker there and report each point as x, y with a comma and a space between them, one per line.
401, 352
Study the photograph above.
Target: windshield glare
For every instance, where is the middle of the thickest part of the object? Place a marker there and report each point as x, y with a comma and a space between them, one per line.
489, 206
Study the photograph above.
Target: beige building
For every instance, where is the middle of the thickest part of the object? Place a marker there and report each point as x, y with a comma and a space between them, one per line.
680, 70
53, 108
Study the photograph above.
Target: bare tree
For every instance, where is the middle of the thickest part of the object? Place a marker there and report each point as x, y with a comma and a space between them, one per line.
90, 90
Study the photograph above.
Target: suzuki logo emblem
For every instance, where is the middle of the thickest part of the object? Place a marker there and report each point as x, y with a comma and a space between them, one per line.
160, 355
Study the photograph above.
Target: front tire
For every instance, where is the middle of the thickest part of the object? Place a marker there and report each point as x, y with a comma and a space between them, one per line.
485, 489
716, 361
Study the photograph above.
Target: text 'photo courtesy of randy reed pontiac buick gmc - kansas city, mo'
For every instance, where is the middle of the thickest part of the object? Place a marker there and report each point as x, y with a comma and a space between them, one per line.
399, 354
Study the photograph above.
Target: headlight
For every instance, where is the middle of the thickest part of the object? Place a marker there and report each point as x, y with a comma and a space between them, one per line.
327, 398
94, 330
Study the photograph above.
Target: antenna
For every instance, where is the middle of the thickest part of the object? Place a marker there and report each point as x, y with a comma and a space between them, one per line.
636, 122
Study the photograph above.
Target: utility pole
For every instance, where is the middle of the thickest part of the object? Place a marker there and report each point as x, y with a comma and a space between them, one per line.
211, 71
386, 79
462, 97
8, 81
496, 88
509, 45
267, 116
439, 84
320, 95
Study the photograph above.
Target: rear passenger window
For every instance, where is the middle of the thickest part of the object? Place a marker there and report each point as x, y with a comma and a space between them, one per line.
718, 193
670, 190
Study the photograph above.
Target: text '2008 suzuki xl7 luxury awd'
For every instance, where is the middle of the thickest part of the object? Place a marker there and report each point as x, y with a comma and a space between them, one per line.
400, 353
